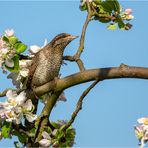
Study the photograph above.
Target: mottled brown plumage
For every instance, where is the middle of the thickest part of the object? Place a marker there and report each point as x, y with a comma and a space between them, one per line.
47, 62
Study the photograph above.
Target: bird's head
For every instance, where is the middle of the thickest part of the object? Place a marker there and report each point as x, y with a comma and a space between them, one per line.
62, 40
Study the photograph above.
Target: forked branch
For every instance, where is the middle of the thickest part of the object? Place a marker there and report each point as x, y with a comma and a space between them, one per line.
79, 105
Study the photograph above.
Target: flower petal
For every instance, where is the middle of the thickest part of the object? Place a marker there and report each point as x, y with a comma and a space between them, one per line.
128, 11
45, 43
30, 117
9, 32
46, 135
11, 94
24, 72
4, 50
34, 49
28, 105
143, 120
9, 62
21, 98
45, 142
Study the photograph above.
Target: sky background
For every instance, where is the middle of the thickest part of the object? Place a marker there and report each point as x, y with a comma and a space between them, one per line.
112, 108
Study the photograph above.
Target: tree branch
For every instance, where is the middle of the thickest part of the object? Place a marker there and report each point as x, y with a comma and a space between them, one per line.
76, 57
3, 94
79, 104
123, 71
43, 120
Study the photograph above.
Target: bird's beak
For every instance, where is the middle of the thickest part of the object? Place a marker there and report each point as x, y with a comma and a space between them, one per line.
72, 37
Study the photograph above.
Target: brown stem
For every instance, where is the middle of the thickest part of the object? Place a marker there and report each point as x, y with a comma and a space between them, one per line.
81, 46
43, 120
3, 94
123, 71
79, 105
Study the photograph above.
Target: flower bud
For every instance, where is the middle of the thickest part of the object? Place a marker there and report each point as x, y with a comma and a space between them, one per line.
128, 11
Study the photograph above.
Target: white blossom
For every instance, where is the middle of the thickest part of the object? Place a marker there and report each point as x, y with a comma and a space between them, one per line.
34, 48
16, 108
9, 62
143, 120
129, 17
30, 117
9, 32
46, 141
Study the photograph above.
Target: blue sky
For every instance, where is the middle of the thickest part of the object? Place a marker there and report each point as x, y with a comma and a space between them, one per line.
111, 109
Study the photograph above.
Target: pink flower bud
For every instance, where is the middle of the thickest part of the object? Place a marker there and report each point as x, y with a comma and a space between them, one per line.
128, 11
9, 32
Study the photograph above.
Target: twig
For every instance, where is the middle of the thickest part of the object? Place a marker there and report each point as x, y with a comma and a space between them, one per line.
76, 57
79, 104
78, 61
81, 47
69, 58
3, 94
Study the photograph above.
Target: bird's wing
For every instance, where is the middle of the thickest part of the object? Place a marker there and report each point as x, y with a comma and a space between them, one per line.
32, 69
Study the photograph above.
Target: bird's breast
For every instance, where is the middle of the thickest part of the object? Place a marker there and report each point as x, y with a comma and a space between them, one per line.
47, 69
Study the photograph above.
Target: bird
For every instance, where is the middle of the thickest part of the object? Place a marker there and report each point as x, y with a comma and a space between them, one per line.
47, 62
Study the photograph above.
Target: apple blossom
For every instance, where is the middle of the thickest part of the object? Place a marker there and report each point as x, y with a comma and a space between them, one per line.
23, 73
143, 120
46, 141
16, 108
141, 131
129, 17
9, 32
128, 11
34, 48
9, 62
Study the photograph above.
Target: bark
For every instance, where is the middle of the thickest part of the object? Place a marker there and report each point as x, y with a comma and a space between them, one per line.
123, 71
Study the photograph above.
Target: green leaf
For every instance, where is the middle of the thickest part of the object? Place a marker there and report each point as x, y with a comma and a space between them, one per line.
97, 2
13, 40
83, 7
16, 64
112, 27
60, 134
22, 137
117, 6
5, 39
121, 24
102, 20
16, 144
111, 5
55, 125
20, 47
107, 6
6, 129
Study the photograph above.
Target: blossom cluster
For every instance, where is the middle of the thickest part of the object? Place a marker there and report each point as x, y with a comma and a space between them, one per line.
141, 131
16, 108
127, 15
58, 137
7, 52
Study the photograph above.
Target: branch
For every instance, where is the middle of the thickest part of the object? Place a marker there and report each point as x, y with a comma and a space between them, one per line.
81, 47
79, 105
3, 94
123, 71
76, 57
43, 120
